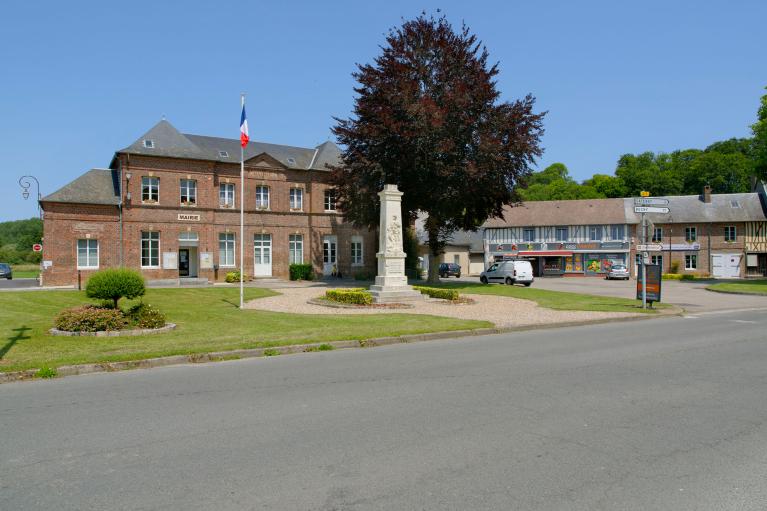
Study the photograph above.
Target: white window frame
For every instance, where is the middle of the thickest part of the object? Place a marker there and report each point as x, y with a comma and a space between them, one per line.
296, 249
261, 192
617, 228
226, 195
691, 261
730, 238
566, 237
330, 205
525, 231
595, 233
357, 251
152, 182
657, 259
185, 187
88, 250
227, 241
296, 196
688, 231
657, 239
149, 239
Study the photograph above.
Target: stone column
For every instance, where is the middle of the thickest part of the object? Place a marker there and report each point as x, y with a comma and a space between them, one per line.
391, 283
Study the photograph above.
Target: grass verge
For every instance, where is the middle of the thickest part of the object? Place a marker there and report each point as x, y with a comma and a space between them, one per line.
25, 271
559, 300
751, 287
208, 320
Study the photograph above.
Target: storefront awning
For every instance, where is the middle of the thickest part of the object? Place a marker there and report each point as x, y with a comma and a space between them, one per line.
552, 253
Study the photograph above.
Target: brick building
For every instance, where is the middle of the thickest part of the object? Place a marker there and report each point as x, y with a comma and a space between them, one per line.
169, 204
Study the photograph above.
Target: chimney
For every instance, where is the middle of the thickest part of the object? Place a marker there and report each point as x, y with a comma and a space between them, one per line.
707, 194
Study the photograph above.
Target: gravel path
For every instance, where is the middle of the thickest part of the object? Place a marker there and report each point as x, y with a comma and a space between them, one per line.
503, 311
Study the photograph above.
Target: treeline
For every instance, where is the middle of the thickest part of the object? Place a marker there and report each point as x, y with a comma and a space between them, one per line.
17, 238
728, 167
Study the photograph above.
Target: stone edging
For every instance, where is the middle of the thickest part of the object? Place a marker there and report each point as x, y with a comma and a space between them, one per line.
220, 356
114, 333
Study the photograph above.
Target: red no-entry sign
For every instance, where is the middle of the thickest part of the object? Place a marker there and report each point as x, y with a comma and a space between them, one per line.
37, 247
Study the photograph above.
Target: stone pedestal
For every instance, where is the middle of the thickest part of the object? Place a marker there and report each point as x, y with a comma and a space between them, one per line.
391, 283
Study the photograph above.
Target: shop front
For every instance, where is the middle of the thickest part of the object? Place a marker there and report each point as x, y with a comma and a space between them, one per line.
565, 259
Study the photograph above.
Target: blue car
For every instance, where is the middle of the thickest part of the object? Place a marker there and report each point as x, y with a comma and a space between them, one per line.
6, 271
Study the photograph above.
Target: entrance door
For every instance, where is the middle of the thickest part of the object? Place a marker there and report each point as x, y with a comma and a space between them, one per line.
183, 262
262, 255
329, 254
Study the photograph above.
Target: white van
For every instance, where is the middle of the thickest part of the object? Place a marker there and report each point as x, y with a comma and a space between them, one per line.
509, 272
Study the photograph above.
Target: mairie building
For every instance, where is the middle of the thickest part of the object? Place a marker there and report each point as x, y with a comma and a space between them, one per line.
169, 206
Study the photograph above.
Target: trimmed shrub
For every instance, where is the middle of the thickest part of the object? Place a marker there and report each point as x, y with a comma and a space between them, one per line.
234, 276
115, 283
671, 276
435, 292
363, 275
90, 318
353, 296
144, 315
301, 272
674, 267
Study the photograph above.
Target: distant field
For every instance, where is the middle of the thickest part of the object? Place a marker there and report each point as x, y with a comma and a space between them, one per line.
25, 271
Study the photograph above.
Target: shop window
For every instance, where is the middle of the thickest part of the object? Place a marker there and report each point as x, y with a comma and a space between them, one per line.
296, 249
226, 195
690, 262
188, 192
528, 234
226, 249
730, 235
690, 234
150, 189
87, 254
262, 197
561, 234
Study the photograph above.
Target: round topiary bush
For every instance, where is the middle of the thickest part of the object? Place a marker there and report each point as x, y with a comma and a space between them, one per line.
144, 315
115, 283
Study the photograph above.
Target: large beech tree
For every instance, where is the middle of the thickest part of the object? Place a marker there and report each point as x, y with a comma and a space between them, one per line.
428, 118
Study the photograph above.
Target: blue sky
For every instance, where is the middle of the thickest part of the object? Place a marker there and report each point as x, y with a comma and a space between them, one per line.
81, 80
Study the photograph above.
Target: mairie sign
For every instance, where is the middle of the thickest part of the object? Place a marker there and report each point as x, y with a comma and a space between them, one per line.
650, 201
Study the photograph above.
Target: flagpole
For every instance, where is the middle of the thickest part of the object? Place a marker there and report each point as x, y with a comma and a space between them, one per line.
242, 210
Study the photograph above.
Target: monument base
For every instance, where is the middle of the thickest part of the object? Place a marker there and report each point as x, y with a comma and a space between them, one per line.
395, 294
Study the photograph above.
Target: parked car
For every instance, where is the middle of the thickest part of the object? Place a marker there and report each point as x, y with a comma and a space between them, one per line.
449, 270
509, 272
6, 271
618, 271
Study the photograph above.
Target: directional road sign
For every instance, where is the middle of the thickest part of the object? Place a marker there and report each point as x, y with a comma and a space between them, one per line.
653, 247
650, 201
649, 209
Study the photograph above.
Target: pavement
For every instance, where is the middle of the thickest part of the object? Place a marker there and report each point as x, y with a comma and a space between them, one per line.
18, 284
656, 415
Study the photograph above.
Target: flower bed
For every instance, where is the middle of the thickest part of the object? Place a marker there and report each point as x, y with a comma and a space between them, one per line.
352, 296
107, 321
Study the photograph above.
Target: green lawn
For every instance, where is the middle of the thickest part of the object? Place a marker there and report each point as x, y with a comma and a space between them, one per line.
753, 287
208, 320
559, 300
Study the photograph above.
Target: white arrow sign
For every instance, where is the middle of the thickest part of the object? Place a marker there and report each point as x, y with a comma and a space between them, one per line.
650, 248
649, 209
650, 201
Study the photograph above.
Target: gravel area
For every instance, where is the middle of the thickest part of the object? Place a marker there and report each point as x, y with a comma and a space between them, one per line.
502, 311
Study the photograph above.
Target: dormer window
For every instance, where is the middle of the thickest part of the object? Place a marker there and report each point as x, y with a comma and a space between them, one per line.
223, 154
292, 161
149, 144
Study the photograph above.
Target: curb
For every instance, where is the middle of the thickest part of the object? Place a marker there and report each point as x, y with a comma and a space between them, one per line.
114, 333
742, 293
220, 356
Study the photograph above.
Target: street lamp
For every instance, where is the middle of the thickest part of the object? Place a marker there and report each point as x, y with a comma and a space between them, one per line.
25, 183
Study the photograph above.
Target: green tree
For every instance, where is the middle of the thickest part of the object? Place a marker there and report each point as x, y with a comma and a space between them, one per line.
428, 118
607, 186
759, 129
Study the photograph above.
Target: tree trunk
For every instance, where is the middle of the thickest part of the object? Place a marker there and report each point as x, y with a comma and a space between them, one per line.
435, 250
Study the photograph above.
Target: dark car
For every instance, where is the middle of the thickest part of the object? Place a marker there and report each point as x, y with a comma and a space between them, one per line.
6, 271
449, 270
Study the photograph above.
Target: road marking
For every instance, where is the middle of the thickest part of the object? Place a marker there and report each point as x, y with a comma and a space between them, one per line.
742, 321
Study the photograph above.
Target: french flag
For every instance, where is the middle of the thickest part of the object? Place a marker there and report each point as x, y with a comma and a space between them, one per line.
244, 128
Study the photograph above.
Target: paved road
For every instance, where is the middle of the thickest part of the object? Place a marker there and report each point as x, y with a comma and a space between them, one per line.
18, 283
653, 415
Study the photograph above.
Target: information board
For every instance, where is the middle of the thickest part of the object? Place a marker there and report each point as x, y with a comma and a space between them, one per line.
653, 282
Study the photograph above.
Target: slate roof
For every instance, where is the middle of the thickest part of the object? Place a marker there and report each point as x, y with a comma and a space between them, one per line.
97, 186
724, 207
170, 142
472, 240
569, 212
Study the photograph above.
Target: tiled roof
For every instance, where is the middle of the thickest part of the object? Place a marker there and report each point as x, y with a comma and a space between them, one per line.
724, 207
569, 212
97, 186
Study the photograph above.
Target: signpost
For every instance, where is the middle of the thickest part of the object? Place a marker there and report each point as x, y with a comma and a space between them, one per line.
643, 205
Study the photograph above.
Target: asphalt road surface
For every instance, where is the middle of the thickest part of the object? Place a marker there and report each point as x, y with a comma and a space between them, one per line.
667, 414
18, 283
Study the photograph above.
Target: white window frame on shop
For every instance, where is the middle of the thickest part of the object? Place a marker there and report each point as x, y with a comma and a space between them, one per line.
617, 232
226, 195
150, 189
528, 234
152, 238
262, 197
330, 200
296, 249
595, 233
691, 234
690, 261
188, 192
296, 199
226, 250
562, 233
87, 254
357, 251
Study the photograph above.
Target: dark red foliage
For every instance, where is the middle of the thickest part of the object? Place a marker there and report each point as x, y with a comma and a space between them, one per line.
428, 118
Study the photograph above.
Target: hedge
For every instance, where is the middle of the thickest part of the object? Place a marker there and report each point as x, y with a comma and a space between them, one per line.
354, 296
301, 272
115, 283
90, 318
234, 276
435, 292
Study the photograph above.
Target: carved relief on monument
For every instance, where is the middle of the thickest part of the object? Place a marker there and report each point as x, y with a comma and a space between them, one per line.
394, 236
